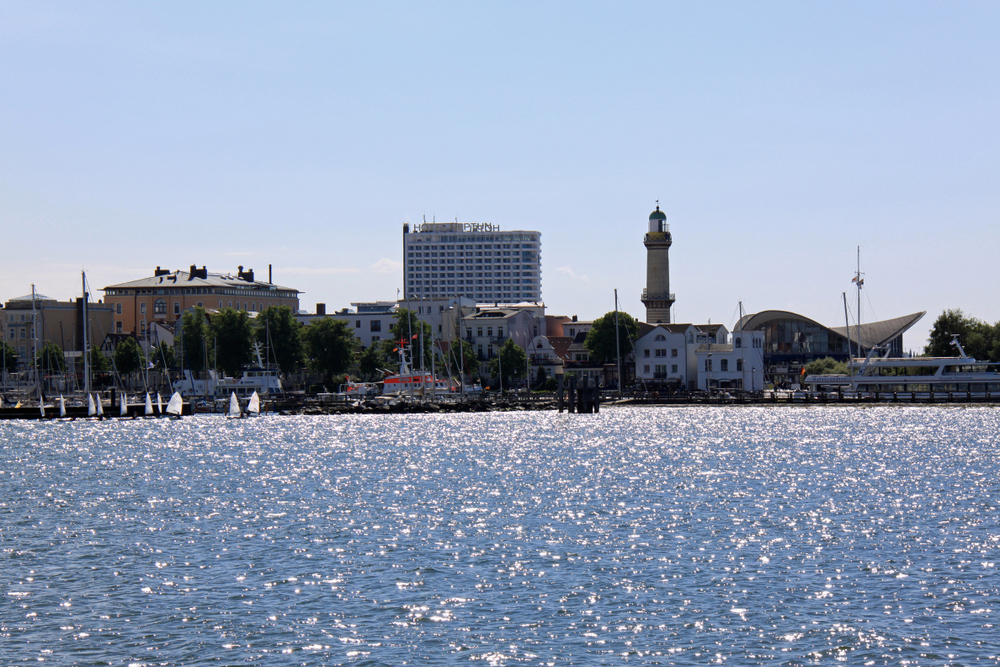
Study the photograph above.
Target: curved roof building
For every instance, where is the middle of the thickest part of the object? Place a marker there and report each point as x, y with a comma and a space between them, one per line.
792, 340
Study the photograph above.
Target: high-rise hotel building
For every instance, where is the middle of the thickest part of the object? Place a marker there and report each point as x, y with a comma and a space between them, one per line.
471, 259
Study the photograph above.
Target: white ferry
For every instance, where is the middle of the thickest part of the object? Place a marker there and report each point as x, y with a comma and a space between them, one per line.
416, 383
917, 378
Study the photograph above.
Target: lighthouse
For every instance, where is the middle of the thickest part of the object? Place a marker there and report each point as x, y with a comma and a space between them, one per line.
656, 296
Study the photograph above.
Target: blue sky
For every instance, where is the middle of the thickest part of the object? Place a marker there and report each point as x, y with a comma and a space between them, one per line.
778, 137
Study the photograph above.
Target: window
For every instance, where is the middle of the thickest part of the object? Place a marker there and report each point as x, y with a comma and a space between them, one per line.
738, 342
673, 352
142, 308
376, 325
479, 331
118, 309
200, 304
739, 365
673, 368
177, 308
357, 324
645, 352
661, 353
660, 337
708, 364
724, 365
499, 332
160, 307
118, 326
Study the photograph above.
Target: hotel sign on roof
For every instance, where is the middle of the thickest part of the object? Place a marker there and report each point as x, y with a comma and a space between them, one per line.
455, 227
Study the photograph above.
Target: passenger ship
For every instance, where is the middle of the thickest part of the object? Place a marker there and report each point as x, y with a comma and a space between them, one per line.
917, 378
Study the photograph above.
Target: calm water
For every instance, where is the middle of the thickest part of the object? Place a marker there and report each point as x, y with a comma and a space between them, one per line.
740, 536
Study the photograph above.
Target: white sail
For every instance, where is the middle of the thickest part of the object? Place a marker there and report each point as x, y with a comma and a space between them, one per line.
175, 405
62, 406
91, 408
234, 406
149, 405
100, 406
41, 407
159, 404
253, 407
123, 406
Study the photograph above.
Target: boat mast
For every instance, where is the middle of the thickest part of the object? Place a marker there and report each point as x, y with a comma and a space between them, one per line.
618, 351
34, 341
86, 337
847, 321
859, 281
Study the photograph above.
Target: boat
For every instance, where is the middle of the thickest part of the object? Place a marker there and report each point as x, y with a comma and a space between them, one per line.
414, 383
149, 406
190, 387
234, 407
253, 407
913, 378
175, 406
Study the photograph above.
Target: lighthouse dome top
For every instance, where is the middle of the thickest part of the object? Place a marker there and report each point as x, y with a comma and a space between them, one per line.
657, 214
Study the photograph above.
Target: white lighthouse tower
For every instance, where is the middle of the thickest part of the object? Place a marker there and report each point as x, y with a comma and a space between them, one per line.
656, 296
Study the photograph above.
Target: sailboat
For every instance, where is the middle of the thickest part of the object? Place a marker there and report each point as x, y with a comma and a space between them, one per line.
123, 406
253, 407
100, 408
175, 405
159, 404
234, 407
91, 408
62, 407
149, 405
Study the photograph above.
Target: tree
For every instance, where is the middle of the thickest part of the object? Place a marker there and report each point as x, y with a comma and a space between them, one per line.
600, 341
234, 335
9, 358
193, 341
128, 357
330, 345
826, 366
980, 340
462, 359
163, 356
371, 362
280, 334
50, 358
540, 377
510, 362
98, 362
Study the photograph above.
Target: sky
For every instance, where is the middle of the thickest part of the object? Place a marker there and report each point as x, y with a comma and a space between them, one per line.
778, 137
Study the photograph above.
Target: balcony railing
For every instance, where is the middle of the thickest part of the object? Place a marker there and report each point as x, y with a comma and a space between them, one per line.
657, 296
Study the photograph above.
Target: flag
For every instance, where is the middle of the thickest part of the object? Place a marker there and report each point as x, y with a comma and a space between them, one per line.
854, 279
803, 371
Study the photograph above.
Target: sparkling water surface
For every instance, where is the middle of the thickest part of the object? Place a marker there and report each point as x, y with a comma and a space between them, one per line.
687, 536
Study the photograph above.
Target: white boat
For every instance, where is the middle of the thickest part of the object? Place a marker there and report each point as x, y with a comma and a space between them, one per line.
149, 406
122, 406
91, 408
263, 381
189, 387
175, 405
253, 407
234, 407
100, 407
159, 404
916, 378
62, 406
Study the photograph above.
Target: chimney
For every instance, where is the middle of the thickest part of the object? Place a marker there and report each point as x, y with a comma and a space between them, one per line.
160, 272
321, 309
193, 272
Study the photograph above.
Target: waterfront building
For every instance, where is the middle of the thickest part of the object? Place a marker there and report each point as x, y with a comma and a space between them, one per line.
666, 354
488, 329
656, 296
474, 260
166, 294
738, 364
58, 322
371, 321
791, 340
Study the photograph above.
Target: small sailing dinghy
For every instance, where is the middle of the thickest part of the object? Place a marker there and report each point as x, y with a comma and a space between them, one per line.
234, 407
175, 405
62, 407
159, 404
91, 408
149, 405
100, 407
253, 408
123, 406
